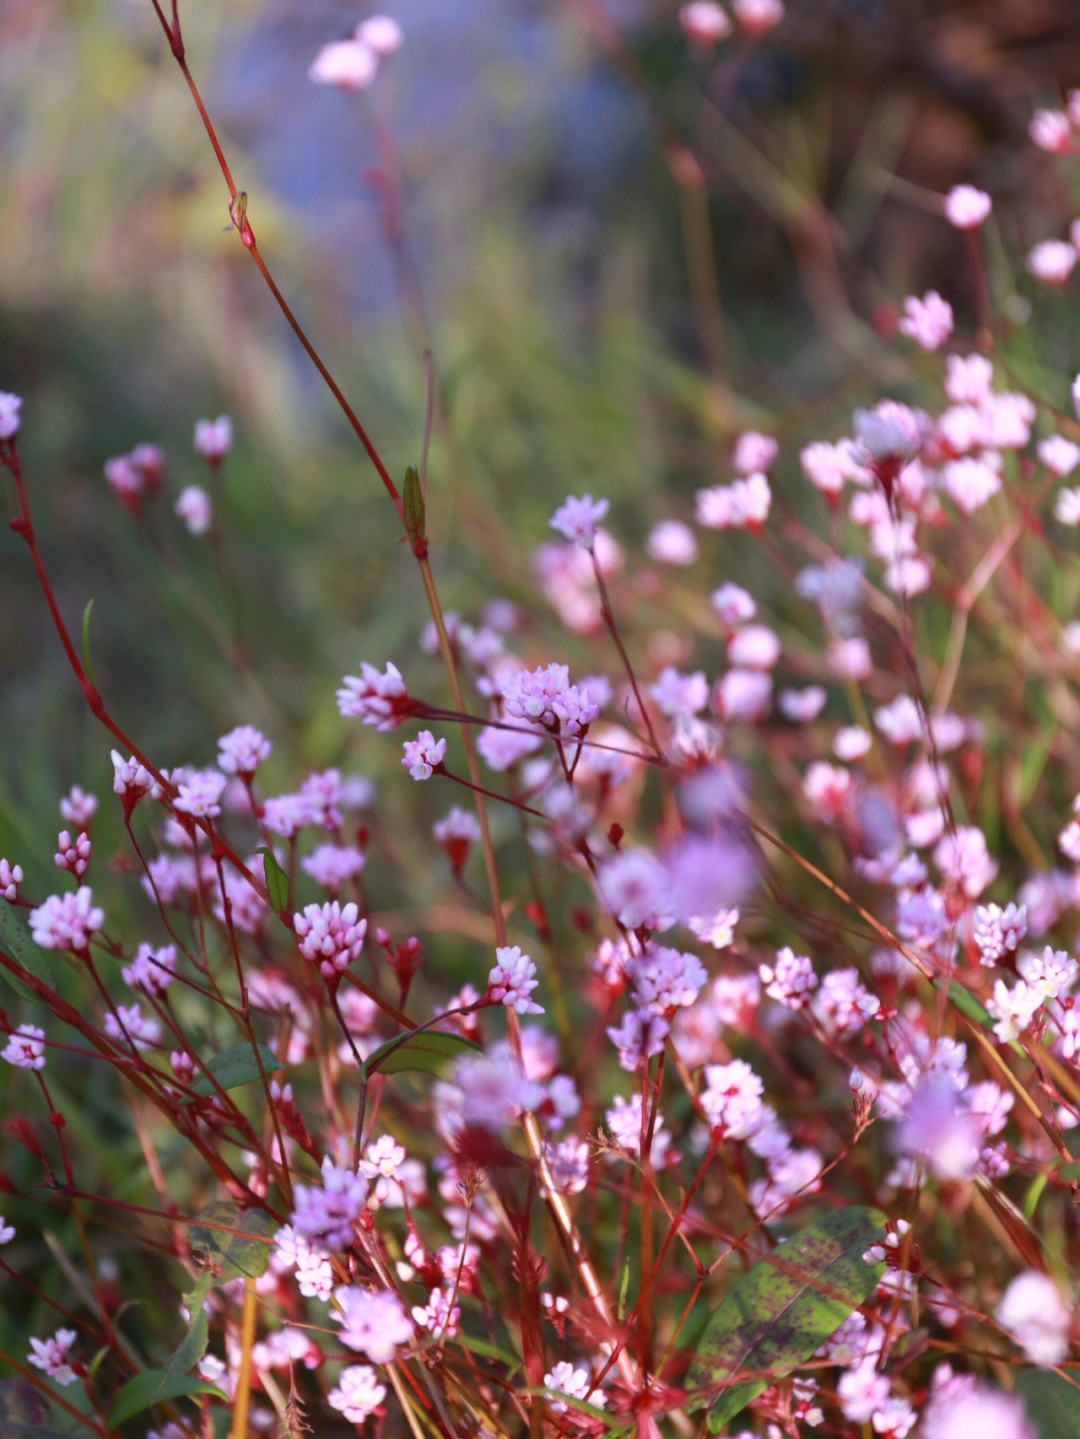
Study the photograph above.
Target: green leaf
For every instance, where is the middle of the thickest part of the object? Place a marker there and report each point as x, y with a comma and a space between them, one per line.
154, 1387
785, 1307
15, 939
231, 1255
1052, 1403
967, 1004
415, 520
277, 881
86, 641
235, 1066
425, 1051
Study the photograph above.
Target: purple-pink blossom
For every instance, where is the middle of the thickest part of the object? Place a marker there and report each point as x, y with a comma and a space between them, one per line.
331, 935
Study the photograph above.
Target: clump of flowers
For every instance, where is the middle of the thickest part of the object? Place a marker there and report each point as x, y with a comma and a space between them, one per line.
802, 927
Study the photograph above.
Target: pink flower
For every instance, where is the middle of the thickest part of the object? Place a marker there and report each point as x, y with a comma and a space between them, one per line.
1050, 130
152, 970
126, 480
455, 833
997, 932
67, 921
960, 1407
731, 1098
754, 17
348, 64
576, 1383
199, 793
242, 750
936, 1127
25, 1048
333, 865
130, 1024
733, 604
77, 807
130, 779
1051, 261
440, 1315
672, 543
423, 755
513, 979
372, 1322
378, 699
1035, 1313
1059, 455
791, 980
72, 854
51, 1356
11, 876
547, 697
704, 22
357, 1393
380, 33
754, 451
10, 405
577, 519
213, 439
194, 508
326, 1215
331, 935
966, 207
929, 321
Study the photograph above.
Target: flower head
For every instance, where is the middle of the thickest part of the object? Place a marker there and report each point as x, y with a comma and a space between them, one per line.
213, 439
966, 207
10, 405
576, 519
372, 1321
378, 699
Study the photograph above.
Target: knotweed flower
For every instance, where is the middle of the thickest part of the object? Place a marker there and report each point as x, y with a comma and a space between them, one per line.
25, 1047
50, 1355
513, 979
966, 207
378, 699
194, 508
423, 755
213, 439
357, 1394
10, 405
327, 1215
242, 750
372, 1321
704, 22
66, 921
331, 935
577, 519
1035, 1313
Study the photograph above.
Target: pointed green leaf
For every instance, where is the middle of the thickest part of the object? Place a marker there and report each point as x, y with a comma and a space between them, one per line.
1052, 1403
415, 520
784, 1308
86, 641
235, 1066
230, 1255
15, 939
152, 1387
425, 1051
967, 1004
277, 881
